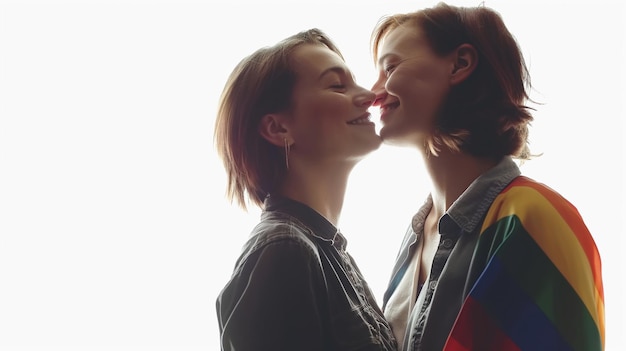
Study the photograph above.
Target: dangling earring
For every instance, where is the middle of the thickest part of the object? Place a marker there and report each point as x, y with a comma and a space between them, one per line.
287, 149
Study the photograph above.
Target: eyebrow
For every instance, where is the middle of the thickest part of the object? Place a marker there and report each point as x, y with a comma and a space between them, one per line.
334, 69
382, 58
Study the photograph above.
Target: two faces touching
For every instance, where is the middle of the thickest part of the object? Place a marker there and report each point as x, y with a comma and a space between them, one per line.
328, 115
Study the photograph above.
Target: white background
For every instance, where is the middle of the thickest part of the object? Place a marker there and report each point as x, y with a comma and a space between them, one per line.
114, 230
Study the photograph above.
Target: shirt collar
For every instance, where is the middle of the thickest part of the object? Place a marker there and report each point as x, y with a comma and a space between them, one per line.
319, 226
469, 209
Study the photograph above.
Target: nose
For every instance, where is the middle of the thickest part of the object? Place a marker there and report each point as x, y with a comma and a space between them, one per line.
379, 91
365, 98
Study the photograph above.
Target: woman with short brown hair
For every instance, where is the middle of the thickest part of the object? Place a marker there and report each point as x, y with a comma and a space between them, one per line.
292, 124
493, 260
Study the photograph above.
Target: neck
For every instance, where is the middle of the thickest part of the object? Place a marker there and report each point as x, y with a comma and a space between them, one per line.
451, 173
321, 187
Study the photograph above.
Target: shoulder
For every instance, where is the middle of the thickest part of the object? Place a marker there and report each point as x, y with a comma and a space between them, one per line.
527, 206
278, 227
529, 209
528, 199
542, 240
280, 235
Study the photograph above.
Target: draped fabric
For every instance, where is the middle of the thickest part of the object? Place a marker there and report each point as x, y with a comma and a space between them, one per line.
539, 281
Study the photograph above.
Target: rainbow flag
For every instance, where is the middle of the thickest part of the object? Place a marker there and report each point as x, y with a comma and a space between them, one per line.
539, 281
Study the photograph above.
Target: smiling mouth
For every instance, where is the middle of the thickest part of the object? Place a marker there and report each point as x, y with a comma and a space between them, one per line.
365, 119
389, 107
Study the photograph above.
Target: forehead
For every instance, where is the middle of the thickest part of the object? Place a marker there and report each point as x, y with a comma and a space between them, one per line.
401, 41
310, 60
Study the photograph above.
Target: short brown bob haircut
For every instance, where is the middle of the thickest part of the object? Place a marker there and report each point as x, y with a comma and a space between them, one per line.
485, 115
260, 84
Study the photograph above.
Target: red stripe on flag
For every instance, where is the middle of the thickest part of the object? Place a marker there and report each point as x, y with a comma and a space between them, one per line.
475, 330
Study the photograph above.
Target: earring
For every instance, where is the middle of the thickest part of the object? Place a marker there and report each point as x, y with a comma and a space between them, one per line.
287, 149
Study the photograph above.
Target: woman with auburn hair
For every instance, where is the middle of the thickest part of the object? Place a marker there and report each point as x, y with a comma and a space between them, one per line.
493, 260
292, 124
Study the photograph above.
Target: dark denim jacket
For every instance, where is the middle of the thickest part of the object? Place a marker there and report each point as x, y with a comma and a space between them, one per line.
294, 287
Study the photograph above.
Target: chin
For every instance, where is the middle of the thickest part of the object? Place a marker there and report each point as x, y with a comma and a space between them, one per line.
377, 142
374, 140
369, 148
395, 137
388, 135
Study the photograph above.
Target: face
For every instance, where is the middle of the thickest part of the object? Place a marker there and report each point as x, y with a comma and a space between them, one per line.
329, 118
412, 83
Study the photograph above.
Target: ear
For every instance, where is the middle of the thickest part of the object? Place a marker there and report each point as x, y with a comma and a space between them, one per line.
465, 61
274, 130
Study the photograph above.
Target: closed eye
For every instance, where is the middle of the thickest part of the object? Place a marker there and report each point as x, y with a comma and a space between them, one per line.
389, 69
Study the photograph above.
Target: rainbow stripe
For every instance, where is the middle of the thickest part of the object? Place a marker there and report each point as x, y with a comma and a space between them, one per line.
540, 281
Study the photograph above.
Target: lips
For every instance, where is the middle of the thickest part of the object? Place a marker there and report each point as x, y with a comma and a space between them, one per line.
388, 107
364, 119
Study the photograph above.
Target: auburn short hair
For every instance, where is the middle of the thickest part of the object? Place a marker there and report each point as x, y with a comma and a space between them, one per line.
261, 83
487, 114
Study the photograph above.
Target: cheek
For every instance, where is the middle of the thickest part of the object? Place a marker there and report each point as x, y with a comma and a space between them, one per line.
320, 116
426, 84
400, 85
326, 109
